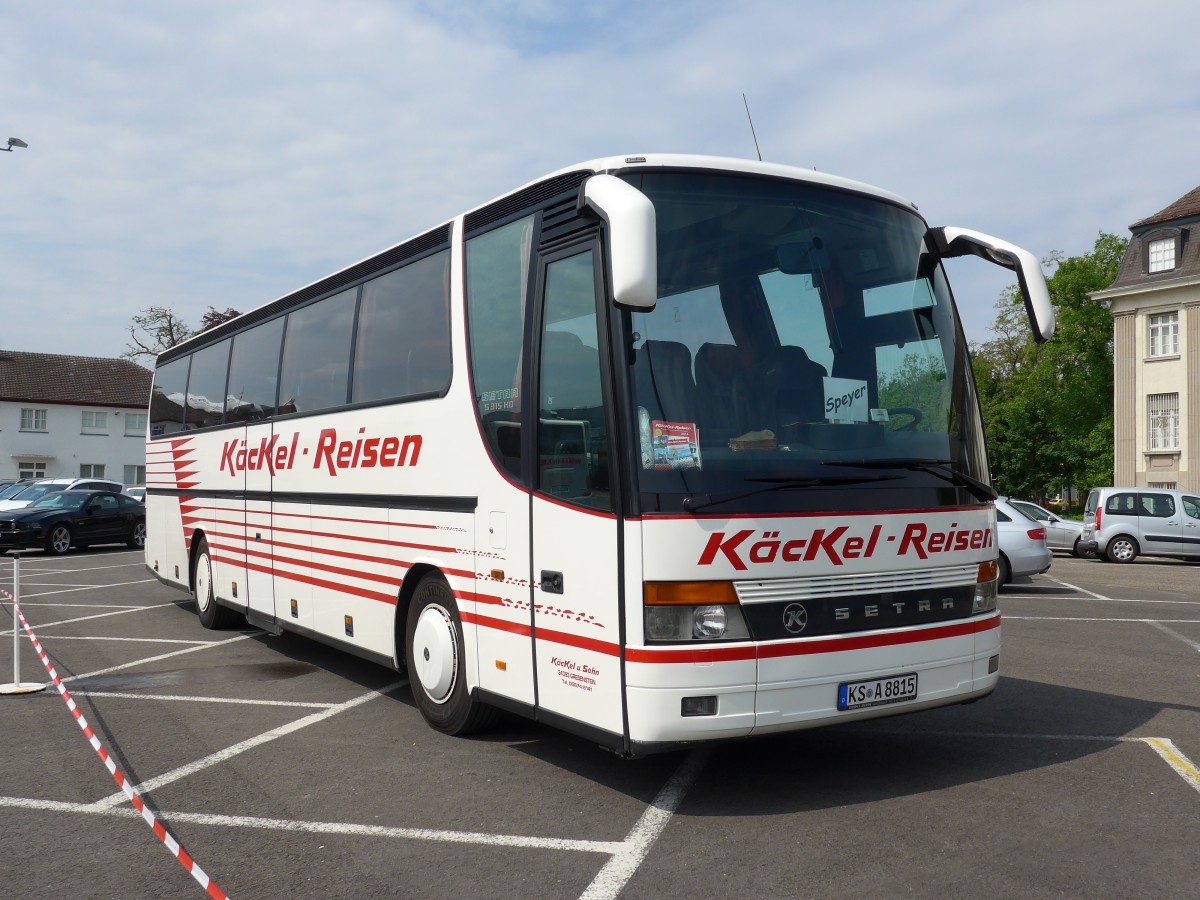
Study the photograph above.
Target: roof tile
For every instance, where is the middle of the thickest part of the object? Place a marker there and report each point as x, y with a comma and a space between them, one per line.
82, 380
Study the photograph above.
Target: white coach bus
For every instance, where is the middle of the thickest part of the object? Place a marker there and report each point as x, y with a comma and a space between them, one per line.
656, 449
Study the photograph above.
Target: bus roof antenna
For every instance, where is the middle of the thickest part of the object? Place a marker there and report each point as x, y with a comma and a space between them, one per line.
752, 134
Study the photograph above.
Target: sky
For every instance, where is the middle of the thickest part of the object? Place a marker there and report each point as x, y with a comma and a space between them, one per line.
224, 153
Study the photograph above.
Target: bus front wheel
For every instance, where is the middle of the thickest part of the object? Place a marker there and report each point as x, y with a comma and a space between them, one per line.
437, 661
212, 614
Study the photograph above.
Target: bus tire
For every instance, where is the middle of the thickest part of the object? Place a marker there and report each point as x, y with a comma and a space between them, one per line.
436, 658
212, 614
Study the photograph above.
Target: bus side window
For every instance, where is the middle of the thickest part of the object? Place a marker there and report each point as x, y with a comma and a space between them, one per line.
206, 386
497, 275
168, 397
316, 354
572, 438
403, 343
253, 373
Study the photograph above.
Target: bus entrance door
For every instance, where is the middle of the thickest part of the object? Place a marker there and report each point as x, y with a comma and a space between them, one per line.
576, 566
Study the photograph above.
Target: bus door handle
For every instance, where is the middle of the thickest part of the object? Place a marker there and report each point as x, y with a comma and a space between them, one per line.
552, 582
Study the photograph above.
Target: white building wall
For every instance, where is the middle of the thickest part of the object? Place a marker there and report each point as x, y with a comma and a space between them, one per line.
65, 446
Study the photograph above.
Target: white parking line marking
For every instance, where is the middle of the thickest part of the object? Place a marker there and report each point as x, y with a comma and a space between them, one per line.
1176, 760
1116, 599
1074, 588
1164, 747
90, 587
92, 637
611, 880
626, 855
77, 605
27, 568
1175, 634
334, 828
119, 695
241, 747
161, 656
44, 625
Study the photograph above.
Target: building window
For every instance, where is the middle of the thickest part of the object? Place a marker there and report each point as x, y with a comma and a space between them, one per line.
1164, 421
1162, 485
91, 470
31, 469
1162, 255
134, 475
135, 424
33, 420
1164, 334
95, 423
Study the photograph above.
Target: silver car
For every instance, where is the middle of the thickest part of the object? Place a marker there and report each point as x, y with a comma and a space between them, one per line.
1023, 549
1122, 523
1061, 534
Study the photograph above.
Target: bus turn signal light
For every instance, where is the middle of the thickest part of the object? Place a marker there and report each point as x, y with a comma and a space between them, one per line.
689, 593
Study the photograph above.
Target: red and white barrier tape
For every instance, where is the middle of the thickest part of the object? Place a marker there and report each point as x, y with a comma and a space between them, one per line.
134, 797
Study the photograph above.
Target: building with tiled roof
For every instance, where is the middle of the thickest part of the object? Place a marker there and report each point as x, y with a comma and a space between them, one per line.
72, 416
1155, 304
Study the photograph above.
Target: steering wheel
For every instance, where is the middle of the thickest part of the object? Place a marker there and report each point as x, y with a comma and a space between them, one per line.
916, 414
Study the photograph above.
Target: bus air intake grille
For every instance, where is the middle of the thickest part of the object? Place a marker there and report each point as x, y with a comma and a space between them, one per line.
781, 590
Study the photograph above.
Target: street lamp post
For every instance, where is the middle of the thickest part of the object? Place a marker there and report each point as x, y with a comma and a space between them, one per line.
14, 142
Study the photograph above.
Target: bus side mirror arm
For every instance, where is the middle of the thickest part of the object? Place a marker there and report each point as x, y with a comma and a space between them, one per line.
632, 238
951, 242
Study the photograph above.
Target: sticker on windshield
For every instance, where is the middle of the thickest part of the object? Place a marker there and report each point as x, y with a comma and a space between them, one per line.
846, 400
676, 445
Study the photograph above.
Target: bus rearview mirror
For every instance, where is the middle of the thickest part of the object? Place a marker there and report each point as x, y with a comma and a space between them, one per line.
951, 242
632, 239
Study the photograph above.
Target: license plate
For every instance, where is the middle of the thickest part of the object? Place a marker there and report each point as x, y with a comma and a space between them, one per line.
877, 691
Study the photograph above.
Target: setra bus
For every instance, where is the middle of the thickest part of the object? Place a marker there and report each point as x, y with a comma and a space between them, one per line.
655, 449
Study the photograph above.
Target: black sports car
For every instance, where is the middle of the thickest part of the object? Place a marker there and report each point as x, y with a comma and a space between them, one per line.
57, 522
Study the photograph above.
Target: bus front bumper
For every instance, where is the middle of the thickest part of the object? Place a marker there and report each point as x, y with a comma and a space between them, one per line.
786, 686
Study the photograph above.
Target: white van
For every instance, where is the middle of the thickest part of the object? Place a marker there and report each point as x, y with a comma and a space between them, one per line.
1120, 523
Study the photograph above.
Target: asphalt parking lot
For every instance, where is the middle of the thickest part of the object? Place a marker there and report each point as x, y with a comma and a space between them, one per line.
290, 770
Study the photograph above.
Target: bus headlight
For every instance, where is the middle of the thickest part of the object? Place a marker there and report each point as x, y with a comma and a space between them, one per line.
987, 587
693, 611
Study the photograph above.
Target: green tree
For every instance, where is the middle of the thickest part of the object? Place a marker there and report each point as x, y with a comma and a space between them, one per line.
1048, 408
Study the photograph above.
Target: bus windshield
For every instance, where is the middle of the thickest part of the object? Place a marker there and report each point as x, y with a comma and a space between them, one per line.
804, 337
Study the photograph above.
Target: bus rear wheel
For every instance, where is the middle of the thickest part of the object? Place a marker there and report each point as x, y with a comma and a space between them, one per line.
212, 614
437, 661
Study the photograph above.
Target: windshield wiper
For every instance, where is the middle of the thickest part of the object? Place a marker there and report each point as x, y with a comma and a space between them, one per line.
940, 468
697, 502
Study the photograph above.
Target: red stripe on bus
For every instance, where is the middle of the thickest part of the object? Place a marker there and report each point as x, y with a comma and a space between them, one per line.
689, 654
389, 580
870, 641
499, 624
576, 640
806, 648
329, 585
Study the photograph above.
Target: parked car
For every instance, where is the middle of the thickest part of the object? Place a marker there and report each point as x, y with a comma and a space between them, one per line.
37, 489
1061, 534
138, 493
1022, 541
14, 488
64, 519
1122, 523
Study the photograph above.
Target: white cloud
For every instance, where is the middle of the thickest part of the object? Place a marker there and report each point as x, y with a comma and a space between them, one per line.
224, 153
